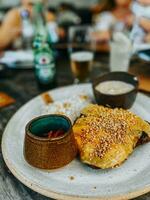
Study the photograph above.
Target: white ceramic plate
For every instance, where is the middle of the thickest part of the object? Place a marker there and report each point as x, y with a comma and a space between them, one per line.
130, 180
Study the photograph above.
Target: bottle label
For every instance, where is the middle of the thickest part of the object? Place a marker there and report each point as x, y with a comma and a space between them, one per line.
45, 67
45, 73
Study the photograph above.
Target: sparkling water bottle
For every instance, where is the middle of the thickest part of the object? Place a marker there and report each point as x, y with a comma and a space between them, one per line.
43, 54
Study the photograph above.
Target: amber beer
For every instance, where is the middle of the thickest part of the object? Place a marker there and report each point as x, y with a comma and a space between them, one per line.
81, 64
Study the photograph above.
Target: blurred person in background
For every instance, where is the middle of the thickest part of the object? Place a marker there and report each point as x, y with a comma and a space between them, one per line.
115, 16
67, 15
11, 27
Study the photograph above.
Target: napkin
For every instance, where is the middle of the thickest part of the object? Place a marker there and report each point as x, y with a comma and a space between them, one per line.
17, 56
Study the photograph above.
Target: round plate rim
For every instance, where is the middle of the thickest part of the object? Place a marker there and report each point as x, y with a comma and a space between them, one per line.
51, 194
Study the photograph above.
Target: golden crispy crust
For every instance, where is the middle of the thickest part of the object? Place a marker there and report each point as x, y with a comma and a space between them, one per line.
106, 137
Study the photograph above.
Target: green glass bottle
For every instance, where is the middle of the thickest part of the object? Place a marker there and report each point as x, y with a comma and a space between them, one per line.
44, 61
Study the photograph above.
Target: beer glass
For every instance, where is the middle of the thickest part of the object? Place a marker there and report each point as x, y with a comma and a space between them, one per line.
81, 49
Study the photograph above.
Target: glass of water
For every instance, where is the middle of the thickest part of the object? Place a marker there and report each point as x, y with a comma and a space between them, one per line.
120, 53
119, 58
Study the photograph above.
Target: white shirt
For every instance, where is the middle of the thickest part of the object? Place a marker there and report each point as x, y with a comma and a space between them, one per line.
107, 21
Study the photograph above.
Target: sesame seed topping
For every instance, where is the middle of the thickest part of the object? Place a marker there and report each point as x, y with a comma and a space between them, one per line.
103, 127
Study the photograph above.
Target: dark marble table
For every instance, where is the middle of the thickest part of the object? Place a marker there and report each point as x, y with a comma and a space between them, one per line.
21, 85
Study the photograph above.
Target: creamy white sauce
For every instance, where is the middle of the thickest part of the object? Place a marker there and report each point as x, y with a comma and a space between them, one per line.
114, 87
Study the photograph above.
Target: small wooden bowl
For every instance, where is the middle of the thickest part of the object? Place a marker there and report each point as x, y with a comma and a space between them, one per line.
45, 153
124, 100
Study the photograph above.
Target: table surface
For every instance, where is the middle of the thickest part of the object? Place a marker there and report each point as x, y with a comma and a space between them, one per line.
21, 85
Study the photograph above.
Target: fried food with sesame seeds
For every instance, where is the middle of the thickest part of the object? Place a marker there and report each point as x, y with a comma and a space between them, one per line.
106, 137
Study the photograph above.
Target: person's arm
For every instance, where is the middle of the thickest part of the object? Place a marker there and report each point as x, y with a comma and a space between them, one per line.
10, 28
147, 38
144, 2
145, 23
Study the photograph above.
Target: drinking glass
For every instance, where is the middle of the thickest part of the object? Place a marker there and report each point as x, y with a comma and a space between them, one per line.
119, 57
120, 52
81, 49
